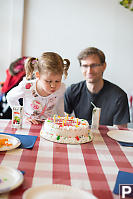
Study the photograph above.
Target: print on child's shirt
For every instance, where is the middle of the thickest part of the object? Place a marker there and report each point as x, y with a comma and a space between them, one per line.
41, 112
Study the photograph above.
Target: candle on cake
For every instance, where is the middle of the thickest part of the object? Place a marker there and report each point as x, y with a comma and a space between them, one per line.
63, 123
54, 118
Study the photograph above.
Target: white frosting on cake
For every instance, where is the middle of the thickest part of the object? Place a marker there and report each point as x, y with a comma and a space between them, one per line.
66, 130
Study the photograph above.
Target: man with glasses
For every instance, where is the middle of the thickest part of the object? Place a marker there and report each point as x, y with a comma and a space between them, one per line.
95, 90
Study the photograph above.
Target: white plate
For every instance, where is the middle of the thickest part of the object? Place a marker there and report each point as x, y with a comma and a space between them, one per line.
121, 135
56, 191
12, 140
10, 179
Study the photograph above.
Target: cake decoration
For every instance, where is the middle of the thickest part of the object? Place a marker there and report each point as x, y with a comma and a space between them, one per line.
69, 130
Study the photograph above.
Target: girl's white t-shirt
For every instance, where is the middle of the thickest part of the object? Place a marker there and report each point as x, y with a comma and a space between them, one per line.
36, 106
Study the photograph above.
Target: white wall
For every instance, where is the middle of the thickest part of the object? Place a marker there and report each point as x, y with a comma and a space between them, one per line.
5, 25
68, 26
11, 31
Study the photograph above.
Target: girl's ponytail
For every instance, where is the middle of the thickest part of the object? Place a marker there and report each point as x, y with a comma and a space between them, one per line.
30, 64
66, 67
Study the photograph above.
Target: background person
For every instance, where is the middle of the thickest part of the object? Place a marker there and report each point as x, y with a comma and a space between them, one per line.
109, 97
14, 75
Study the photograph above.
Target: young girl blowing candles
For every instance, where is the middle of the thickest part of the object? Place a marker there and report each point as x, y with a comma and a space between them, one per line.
43, 96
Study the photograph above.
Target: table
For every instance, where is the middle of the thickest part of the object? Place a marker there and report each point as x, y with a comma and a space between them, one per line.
92, 166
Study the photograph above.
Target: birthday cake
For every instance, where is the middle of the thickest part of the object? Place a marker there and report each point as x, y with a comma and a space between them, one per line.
66, 130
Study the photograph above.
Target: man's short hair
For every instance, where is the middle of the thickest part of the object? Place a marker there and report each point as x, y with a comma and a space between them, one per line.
91, 51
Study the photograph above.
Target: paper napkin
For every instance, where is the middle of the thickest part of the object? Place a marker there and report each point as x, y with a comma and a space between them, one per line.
123, 177
23, 172
27, 141
125, 144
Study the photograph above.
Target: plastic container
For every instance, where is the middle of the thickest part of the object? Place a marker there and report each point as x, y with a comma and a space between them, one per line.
95, 118
17, 116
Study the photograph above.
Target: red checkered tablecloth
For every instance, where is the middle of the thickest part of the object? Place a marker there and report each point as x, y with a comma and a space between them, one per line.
92, 167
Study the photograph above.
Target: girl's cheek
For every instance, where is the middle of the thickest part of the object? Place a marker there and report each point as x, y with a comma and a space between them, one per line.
58, 85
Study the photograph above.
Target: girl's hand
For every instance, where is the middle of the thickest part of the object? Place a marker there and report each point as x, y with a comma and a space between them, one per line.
33, 121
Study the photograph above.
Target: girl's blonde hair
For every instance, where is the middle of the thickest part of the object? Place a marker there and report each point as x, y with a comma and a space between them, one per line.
49, 61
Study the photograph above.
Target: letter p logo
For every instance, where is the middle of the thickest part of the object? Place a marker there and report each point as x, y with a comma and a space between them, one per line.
126, 190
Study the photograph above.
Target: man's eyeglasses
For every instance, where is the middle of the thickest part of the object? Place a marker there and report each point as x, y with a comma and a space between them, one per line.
92, 65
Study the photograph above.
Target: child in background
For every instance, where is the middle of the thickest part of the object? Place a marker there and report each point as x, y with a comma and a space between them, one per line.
14, 75
43, 96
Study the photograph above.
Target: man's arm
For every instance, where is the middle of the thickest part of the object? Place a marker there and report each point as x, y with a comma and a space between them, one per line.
122, 126
122, 116
68, 107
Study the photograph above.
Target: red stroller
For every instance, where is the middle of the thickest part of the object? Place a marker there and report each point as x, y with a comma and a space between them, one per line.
14, 75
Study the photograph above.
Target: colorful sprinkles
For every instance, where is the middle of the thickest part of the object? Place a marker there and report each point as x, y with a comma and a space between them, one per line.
66, 122
3, 180
61, 122
65, 140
